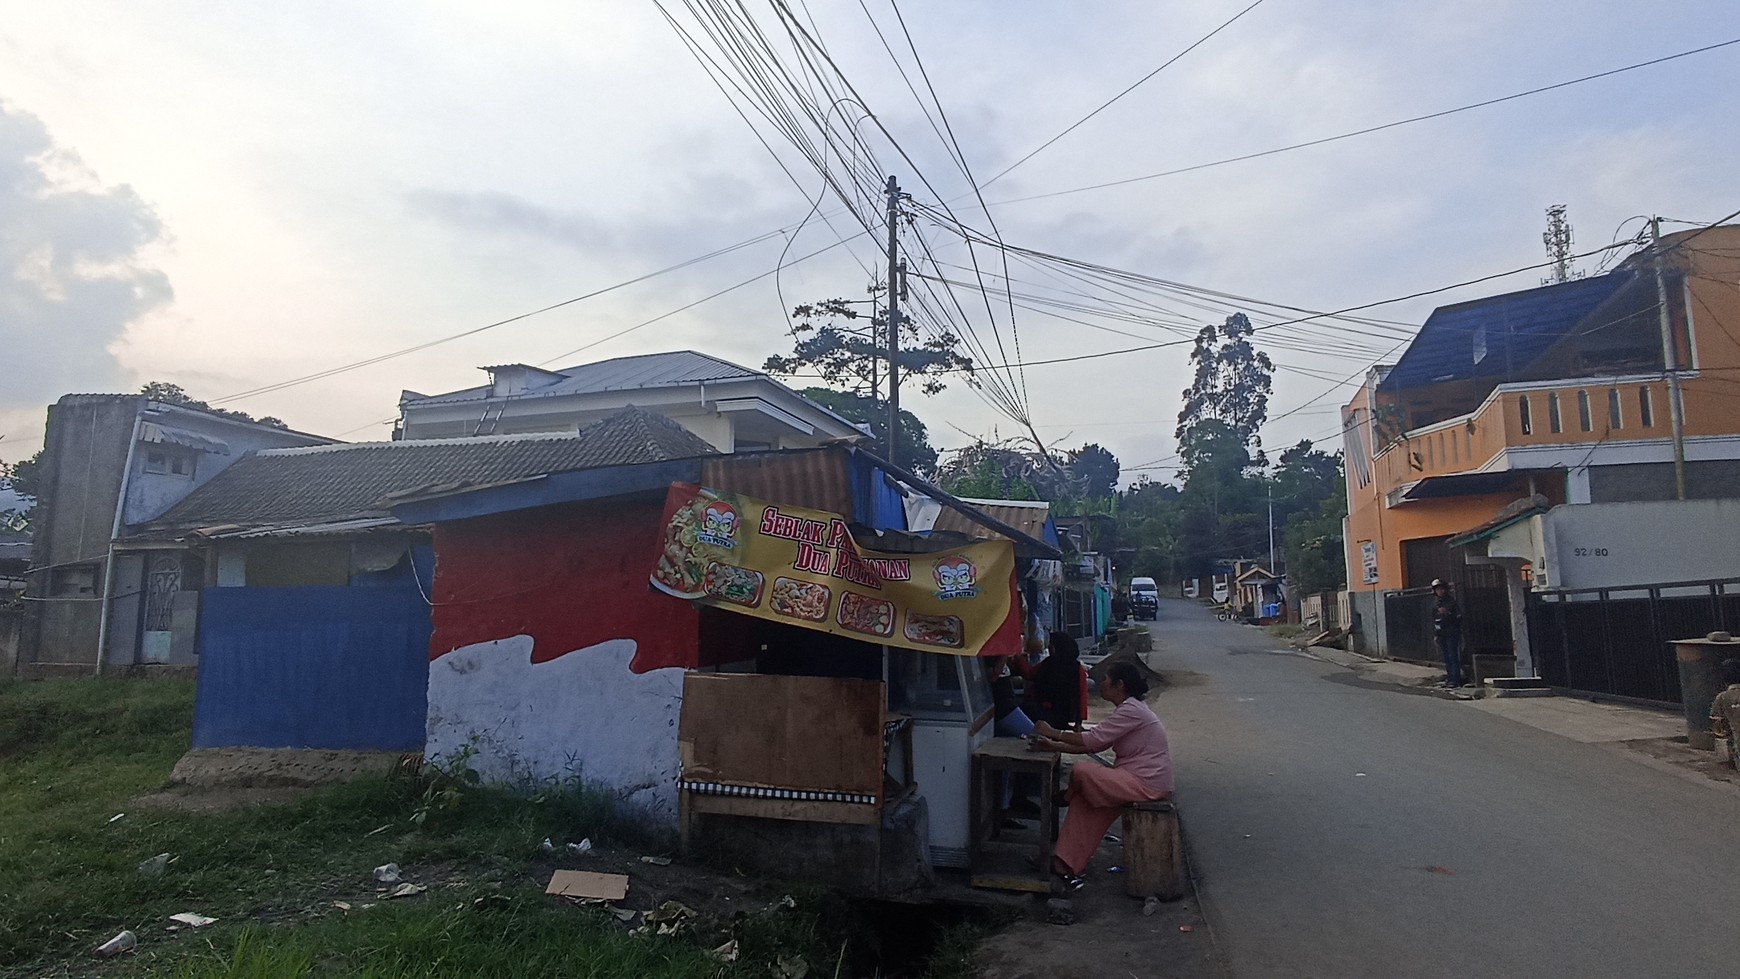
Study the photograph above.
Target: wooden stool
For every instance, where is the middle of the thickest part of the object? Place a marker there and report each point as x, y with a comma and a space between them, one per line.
1153, 855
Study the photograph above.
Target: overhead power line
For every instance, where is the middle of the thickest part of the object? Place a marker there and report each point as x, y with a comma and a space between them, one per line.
1371, 129
370, 361
1108, 103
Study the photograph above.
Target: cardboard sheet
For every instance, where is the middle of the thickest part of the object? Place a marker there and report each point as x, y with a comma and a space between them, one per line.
586, 884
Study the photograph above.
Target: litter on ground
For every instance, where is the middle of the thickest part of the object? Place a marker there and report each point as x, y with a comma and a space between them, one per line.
586, 884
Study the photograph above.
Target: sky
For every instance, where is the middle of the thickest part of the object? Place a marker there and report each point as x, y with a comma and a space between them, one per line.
234, 195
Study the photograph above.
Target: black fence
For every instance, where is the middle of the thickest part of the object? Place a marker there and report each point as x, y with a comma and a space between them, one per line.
1480, 593
1408, 625
1614, 641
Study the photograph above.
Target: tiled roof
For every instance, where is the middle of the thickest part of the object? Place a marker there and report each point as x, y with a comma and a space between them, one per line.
677, 368
323, 484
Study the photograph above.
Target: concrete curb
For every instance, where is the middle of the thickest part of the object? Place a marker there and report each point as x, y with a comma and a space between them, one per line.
1406, 675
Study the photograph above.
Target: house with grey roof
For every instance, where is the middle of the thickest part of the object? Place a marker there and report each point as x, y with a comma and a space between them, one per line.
312, 628
320, 515
110, 460
734, 408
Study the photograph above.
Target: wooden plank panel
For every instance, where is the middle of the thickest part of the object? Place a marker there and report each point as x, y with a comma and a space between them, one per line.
815, 812
818, 733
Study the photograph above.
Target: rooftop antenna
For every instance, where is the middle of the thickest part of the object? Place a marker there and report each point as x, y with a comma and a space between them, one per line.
1557, 238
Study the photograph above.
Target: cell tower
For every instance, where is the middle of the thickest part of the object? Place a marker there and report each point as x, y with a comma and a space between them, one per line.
1558, 241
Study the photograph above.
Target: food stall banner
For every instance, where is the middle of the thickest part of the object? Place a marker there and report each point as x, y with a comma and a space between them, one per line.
801, 567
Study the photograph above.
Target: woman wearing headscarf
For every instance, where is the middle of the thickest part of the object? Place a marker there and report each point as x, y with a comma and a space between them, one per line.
1057, 683
1142, 771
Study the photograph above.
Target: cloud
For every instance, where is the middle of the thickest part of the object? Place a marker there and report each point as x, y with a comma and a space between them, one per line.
501, 213
72, 276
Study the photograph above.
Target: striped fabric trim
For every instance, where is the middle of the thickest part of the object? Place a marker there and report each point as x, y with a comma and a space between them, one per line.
759, 792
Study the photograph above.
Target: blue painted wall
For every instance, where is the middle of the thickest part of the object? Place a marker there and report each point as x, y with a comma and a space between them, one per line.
336, 668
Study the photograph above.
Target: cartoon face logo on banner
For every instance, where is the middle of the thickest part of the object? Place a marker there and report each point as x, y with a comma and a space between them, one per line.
956, 578
718, 525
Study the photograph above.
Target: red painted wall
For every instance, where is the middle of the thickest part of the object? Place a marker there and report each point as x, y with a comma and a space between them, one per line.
575, 575
569, 576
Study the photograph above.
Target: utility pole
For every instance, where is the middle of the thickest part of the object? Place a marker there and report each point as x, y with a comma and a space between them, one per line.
1271, 528
1671, 360
895, 277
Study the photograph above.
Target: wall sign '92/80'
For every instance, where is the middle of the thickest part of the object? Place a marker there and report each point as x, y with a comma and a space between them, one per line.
1588, 552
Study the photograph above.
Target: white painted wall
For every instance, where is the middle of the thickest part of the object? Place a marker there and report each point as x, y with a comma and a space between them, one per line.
1600, 545
582, 715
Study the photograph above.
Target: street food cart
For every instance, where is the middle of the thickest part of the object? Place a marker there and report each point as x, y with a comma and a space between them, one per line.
832, 741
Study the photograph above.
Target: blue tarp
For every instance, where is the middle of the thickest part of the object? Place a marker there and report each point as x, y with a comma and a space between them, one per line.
876, 502
313, 667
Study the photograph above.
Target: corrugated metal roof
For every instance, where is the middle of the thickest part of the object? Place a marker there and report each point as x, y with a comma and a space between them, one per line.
815, 478
1507, 332
1025, 516
327, 484
676, 368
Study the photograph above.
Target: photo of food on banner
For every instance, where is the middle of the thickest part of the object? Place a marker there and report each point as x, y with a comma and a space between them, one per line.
803, 568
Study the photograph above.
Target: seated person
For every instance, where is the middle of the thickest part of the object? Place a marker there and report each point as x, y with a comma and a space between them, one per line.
1010, 720
1056, 690
1096, 794
1725, 710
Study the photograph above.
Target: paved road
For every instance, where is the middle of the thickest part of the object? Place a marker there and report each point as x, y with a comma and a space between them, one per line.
1349, 829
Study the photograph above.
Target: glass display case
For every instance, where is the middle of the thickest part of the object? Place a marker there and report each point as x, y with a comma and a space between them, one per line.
944, 695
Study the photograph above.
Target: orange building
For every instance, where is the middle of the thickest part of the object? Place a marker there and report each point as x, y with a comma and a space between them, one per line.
1558, 395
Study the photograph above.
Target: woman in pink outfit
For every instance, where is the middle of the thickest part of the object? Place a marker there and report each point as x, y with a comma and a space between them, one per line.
1142, 772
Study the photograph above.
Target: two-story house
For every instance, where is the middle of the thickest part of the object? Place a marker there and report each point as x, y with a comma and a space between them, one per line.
1545, 401
110, 460
734, 408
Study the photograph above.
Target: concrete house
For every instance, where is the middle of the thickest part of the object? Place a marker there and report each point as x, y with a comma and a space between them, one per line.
734, 408
112, 460
1549, 412
314, 630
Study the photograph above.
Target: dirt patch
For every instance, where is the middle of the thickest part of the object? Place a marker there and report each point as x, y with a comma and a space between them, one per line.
1111, 937
278, 768
1677, 753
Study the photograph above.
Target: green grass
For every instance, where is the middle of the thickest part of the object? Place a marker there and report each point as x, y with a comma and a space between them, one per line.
520, 934
1283, 631
75, 753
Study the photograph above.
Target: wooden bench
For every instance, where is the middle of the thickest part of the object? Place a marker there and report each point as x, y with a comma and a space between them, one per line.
1153, 851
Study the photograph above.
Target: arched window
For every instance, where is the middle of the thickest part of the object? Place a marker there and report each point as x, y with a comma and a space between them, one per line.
1645, 410
1528, 423
1615, 416
1585, 420
1554, 422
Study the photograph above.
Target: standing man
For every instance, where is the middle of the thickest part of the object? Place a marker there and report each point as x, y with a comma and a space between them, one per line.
1447, 627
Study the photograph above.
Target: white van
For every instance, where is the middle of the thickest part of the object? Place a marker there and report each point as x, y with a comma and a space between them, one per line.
1144, 598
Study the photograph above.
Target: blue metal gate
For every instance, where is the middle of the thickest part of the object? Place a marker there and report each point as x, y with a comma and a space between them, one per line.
313, 667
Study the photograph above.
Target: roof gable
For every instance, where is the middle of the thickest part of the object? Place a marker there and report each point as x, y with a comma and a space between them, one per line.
676, 368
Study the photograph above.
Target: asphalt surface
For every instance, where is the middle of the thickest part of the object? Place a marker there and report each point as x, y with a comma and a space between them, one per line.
1344, 828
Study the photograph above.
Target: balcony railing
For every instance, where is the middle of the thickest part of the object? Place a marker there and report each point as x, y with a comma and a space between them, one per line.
1579, 410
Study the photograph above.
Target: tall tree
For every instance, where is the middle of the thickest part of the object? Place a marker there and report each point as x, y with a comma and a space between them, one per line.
21, 477
1316, 558
916, 452
1231, 385
853, 356
1095, 469
1006, 471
